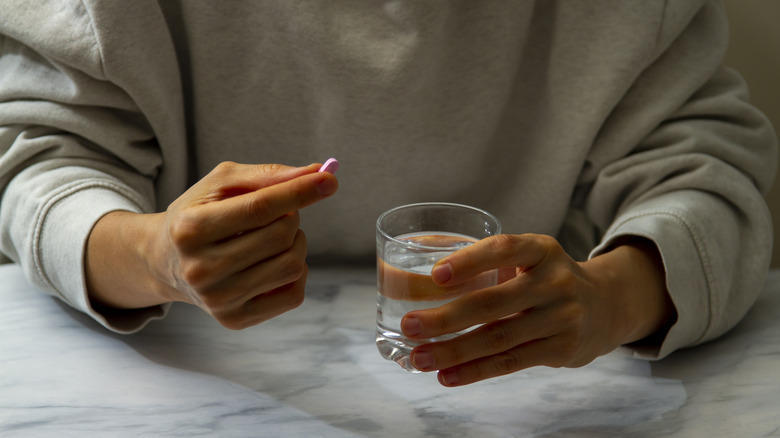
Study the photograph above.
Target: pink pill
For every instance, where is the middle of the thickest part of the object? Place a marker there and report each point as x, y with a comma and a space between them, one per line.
330, 166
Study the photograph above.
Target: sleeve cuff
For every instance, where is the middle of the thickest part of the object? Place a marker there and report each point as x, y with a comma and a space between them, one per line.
64, 224
680, 248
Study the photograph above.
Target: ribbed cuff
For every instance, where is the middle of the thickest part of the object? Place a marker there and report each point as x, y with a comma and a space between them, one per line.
64, 224
680, 248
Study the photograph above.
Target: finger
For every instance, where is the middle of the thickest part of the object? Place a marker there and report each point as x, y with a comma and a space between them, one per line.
487, 340
521, 252
230, 179
257, 209
262, 243
478, 307
534, 353
241, 251
231, 292
275, 272
268, 305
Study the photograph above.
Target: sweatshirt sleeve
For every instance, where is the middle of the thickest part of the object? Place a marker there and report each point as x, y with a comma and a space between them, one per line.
74, 146
693, 182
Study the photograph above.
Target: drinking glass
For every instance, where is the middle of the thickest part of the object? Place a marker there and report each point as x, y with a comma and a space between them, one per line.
410, 239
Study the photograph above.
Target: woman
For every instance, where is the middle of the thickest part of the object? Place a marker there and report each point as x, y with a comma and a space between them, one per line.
623, 160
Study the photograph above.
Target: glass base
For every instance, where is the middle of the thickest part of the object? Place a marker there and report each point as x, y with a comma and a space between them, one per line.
392, 346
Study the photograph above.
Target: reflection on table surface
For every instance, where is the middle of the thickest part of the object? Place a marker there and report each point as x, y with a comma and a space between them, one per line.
315, 372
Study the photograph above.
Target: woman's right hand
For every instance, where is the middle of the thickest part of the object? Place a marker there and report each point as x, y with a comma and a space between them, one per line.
230, 245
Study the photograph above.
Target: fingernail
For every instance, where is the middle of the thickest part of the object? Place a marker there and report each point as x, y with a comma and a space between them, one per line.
448, 377
411, 326
326, 186
442, 273
422, 360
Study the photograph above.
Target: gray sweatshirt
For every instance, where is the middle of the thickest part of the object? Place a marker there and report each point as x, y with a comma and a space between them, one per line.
582, 120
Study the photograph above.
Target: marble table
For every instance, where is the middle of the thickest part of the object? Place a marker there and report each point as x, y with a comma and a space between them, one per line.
315, 372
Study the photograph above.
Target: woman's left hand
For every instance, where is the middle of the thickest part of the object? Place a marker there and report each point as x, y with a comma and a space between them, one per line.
547, 309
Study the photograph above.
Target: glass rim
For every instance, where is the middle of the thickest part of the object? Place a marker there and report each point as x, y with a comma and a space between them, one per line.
432, 204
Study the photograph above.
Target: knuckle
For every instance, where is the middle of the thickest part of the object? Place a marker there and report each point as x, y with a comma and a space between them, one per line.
291, 267
498, 337
291, 298
567, 352
490, 304
260, 209
547, 241
502, 243
292, 219
567, 288
183, 230
296, 298
565, 283
224, 168
557, 361
273, 168
573, 316
549, 245
454, 355
196, 274
233, 322
506, 363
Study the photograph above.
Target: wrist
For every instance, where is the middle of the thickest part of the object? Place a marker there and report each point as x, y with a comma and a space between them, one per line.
634, 276
117, 270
